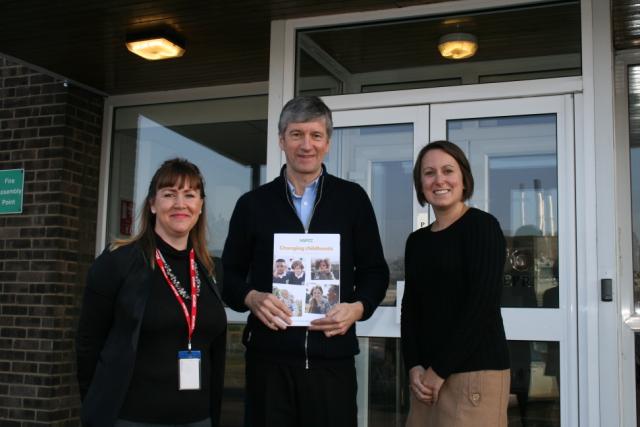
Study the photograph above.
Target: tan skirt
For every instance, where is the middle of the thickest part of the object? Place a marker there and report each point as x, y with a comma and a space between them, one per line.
468, 399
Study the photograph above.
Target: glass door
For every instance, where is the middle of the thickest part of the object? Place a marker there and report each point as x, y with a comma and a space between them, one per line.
628, 220
521, 155
376, 148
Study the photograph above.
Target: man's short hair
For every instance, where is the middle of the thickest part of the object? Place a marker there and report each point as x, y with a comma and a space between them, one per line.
280, 260
302, 109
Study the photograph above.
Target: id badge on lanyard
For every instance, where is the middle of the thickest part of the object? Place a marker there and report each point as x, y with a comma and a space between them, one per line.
189, 361
189, 370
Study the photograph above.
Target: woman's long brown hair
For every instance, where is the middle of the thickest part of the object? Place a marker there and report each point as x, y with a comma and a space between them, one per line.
173, 172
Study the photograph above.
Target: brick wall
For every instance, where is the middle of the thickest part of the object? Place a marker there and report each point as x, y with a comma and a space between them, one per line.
52, 132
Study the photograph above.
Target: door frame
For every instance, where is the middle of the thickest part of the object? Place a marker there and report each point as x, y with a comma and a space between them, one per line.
283, 59
385, 321
533, 324
629, 319
569, 91
427, 118
599, 376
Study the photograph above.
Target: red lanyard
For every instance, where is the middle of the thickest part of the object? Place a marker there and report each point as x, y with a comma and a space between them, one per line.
191, 320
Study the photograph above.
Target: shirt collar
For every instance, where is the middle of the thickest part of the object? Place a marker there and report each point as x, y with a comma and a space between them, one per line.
312, 186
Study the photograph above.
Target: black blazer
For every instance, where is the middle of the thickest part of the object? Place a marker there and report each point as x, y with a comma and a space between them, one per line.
109, 329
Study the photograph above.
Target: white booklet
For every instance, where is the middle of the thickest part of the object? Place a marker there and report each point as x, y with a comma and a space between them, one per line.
306, 274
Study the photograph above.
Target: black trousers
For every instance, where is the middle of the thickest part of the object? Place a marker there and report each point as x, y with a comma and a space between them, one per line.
282, 395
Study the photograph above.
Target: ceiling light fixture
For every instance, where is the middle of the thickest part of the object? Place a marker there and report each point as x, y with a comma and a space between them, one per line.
458, 45
155, 47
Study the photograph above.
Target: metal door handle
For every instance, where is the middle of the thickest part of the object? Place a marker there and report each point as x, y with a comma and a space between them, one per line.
606, 290
633, 322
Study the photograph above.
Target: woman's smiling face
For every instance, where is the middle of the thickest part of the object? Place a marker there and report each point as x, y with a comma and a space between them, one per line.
177, 210
441, 179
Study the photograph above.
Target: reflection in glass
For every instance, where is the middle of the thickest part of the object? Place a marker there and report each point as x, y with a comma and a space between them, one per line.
318, 81
535, 384
634, 166
519, 43
514, 164
634, 156
225, 138
233, 395
635, 218
383, 400
379, 158
383, 390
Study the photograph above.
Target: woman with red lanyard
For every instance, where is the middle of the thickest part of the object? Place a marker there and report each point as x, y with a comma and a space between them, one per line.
151, 336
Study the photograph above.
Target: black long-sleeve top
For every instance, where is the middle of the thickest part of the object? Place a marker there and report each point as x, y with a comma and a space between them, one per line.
153, 394
451, 317
131, 328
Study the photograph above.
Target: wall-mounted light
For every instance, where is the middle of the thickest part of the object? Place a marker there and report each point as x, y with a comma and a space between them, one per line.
458, 45
154, 46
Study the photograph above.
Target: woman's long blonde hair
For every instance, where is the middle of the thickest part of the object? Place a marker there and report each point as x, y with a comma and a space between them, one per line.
171, 173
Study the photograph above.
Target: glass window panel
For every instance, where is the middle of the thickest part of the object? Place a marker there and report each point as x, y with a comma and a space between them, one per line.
518, 43
315, 79
634, 166
233, 396
225, 138
634, 158
535, 383
514, 164
379, 158
383, 391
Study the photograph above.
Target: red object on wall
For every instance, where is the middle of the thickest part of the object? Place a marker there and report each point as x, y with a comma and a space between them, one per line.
126, 217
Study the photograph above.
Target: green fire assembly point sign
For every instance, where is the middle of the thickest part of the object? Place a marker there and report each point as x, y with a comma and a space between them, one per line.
11, 189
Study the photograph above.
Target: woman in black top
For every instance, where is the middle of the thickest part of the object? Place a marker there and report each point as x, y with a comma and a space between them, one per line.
453, 338
146, 300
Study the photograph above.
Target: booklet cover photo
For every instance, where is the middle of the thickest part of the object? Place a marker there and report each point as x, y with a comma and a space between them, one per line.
306, 274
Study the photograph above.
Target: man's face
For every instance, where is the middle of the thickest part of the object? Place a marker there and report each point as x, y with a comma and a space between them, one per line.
281, 267
305, 145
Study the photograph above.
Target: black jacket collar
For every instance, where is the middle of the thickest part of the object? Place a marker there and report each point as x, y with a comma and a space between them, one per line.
321, 179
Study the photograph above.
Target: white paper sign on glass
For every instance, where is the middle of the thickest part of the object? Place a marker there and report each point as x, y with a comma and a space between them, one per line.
306, 274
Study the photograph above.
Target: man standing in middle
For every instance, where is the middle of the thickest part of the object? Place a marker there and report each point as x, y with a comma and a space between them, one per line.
296, 375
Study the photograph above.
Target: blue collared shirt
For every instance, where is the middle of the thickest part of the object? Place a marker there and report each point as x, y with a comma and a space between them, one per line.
304, 203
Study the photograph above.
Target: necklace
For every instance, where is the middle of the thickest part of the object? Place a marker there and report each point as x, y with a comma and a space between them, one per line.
186, 295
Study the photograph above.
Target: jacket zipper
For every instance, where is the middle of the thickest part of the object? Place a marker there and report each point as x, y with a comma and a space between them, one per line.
306, 353
286, 189
306, 230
